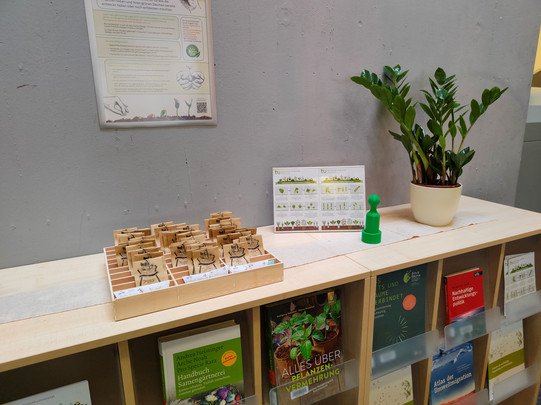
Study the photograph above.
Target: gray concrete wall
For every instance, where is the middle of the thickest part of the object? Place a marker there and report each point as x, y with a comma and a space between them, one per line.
284, 98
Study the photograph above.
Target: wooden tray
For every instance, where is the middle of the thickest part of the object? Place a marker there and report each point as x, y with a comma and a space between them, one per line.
180, 293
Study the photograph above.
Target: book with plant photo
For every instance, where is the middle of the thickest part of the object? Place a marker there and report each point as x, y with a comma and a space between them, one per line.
400, 306
303, 336
203, 366
395, 388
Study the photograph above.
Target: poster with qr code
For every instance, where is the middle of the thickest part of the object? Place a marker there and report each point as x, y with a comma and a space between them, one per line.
153, 62
330, 198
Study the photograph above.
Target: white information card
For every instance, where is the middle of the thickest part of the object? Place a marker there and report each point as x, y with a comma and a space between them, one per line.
328, 198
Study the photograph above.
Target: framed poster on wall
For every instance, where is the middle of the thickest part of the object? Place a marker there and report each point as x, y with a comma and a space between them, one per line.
152, 61
330, 198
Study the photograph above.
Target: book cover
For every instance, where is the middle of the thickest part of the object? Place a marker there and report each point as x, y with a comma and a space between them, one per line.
464, 295
304, 336
203, 366
400, 306
519, 276
506, 354
395, 388
73, 394
452, 375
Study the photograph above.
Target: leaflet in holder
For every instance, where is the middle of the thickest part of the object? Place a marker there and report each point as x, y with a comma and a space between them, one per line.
142, 289
222, 271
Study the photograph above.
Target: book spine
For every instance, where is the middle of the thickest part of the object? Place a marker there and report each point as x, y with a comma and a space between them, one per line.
269, 346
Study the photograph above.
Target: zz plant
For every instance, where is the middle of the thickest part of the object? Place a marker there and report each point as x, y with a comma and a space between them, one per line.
438, 156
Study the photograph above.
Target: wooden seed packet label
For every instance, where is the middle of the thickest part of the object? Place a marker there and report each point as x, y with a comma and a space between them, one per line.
120, 254
223, 214
122, 231
131, 251
206, 259
127, 237
255, 244
168, 237
236, 254
138, 256
227, 239
163, 225
178, 254
150, 271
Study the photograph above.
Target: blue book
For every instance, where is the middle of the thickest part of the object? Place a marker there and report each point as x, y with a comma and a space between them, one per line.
452, 375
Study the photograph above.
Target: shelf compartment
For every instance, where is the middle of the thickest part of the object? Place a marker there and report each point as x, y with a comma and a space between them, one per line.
409, 351
179, 293
318, 386
515, 383
471, 328
521, 308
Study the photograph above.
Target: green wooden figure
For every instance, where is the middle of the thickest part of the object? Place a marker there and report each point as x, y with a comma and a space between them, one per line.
371, 233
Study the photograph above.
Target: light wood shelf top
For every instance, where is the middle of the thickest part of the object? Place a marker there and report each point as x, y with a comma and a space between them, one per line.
48, 336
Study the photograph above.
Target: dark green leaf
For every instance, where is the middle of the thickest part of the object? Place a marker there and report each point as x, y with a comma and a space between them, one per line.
435, 128
475, 111
293, 353
308, 332
280, 328
440, 76
306, 349
298, 335
318, 335
409, 118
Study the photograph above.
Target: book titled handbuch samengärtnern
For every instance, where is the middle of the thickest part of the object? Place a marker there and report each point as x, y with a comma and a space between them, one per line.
203, 366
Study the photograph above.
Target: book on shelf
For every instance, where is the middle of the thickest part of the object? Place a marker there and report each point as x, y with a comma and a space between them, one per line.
400, 306
506, 354
77, 393
519, 276
395, 388
464, 296
304, 338
203, 365
452, 375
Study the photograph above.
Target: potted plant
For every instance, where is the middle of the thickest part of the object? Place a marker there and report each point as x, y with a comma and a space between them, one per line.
327, 324
437, 153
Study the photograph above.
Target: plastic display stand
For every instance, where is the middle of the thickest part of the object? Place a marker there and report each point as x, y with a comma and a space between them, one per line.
317, 386
479, 398
515, 383
409, 351
521, 308
471, 328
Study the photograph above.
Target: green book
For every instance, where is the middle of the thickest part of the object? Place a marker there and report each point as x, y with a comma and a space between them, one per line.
506, 354
203, 366
400, 306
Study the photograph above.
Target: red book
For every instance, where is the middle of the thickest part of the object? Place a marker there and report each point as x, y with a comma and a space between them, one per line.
463, 294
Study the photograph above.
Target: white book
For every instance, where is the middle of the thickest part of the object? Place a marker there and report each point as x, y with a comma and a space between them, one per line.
77, 393
395, 388
519, 276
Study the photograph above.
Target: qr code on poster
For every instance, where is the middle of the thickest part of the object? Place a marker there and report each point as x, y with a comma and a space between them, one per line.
202, 107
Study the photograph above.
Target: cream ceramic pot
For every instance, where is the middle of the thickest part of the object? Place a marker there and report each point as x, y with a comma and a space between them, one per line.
434, 205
